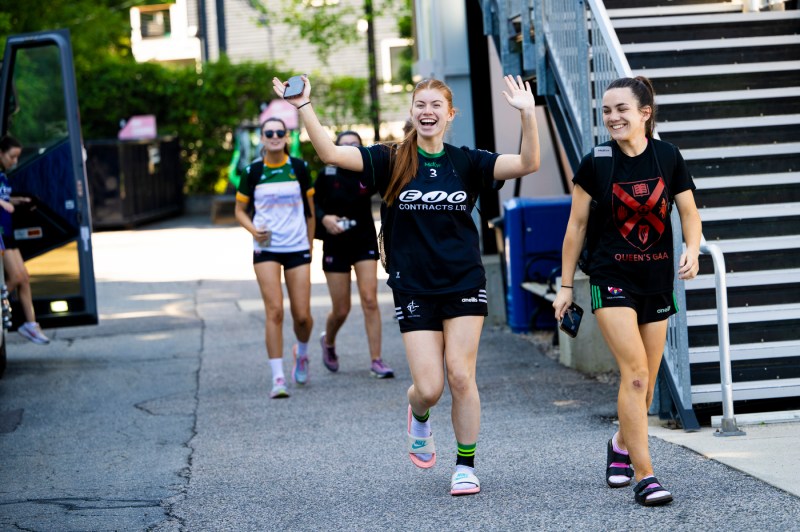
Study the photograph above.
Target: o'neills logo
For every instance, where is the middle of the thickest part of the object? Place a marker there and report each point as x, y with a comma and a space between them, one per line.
469, 300
663, 310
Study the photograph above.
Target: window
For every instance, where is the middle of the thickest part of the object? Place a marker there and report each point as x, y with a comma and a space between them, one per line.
397, 57
155, 23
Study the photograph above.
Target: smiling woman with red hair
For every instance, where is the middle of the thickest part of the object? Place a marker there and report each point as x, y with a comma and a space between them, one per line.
434, 267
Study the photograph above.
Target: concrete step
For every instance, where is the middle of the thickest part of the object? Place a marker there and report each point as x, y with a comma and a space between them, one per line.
742, 122
754, 351
711, 44
760, 313
746, 212
749, 390
671, 11
737, 279
718, 70
753, 180
726, 96
756, 150
706, 19
772, 243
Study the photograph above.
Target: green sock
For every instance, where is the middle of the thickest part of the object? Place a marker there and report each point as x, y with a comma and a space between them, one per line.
422, 419
466, 454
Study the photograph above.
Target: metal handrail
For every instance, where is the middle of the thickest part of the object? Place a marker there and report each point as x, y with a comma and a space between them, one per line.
728, 425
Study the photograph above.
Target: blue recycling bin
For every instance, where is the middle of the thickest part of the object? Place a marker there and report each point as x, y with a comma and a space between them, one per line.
534, 232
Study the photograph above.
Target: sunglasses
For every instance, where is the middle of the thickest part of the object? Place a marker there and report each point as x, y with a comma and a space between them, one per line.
270, 133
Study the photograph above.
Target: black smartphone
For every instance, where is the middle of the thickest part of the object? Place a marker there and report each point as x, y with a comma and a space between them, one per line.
571, 320
295, 87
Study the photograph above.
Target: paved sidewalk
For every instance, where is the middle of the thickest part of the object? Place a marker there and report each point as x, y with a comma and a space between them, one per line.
159, 419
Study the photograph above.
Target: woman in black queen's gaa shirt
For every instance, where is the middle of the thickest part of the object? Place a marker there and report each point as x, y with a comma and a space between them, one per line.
435, 269
631, 265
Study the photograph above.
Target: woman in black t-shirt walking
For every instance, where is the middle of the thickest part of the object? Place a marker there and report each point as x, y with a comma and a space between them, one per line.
344, 208
631, 264
434, 266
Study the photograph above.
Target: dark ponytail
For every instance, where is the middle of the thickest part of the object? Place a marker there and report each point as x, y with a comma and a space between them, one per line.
644, 93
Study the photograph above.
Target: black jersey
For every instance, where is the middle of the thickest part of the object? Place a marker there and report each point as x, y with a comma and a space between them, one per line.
434, 241
341, 192
634, 250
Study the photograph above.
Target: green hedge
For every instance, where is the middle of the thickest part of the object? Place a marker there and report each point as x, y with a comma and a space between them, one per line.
201, 105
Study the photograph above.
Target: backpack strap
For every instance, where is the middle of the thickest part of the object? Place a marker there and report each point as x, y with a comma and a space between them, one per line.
301, 172
254, 172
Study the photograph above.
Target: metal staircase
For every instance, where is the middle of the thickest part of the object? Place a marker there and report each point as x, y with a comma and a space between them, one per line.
728, 84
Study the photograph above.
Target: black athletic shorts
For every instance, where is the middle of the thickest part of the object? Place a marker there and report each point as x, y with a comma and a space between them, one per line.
650, 308
290, 260
339, 256
427, 313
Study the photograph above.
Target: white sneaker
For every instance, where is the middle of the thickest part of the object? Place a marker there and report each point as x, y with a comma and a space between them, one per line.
33, 332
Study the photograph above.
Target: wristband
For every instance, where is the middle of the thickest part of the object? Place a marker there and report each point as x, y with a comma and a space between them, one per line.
565, 286
301, 106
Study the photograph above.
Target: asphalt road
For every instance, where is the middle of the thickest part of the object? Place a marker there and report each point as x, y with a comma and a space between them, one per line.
159, 419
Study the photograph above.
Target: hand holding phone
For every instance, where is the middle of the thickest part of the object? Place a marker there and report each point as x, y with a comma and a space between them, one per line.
294, 88
571, 320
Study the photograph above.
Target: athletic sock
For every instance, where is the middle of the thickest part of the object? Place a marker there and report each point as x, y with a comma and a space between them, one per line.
302, 349
423, 418
466, 454
421, 428
615, 446
276, 365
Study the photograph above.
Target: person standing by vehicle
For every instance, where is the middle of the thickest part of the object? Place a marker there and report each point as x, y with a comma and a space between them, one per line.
630, 263
282, 223
17, 277
344, 208
434, 263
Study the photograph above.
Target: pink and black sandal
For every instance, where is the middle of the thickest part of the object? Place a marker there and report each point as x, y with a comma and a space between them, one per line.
618, 465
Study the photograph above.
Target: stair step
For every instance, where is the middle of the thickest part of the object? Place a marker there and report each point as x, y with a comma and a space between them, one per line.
716, 70
727, 96
760, 313
756, 150
783, 178
711, 44
665, 11
711, 19
755, 351
737, 279
739, 245
748, 390
747, 212
748, 122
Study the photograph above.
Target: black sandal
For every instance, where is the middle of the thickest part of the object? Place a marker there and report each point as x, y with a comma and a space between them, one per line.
641, 491
613, 457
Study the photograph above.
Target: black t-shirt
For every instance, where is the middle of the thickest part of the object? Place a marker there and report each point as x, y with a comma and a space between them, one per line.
434, 242
635, 250
341, 192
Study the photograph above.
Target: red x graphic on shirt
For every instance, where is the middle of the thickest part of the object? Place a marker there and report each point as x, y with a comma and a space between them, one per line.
642, 212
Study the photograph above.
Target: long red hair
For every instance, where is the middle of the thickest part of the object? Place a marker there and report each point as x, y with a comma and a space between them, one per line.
404, 155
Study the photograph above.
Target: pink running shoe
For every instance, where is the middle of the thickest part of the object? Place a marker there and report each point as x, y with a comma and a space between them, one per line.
329, 357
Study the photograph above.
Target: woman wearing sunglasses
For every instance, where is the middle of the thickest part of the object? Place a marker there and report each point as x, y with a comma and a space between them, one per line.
274, 203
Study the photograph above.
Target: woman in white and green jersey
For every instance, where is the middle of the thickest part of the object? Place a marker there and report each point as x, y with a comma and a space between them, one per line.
274, 204
434, 265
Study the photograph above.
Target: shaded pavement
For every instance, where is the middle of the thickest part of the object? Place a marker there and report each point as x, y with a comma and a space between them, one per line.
159, 418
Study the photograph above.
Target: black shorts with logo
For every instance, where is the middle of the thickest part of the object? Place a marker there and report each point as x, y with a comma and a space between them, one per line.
649, 308
290, 260
427, 313
339, 256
